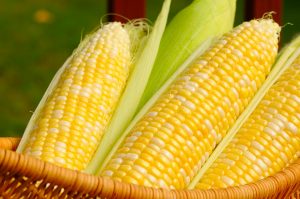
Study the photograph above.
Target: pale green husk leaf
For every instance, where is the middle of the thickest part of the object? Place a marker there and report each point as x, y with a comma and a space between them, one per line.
187, 30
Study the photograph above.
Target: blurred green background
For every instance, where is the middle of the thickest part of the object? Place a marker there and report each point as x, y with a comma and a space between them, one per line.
36, 36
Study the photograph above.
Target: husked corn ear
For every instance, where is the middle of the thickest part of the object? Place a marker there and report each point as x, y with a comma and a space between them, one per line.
169, 144
71, 123
267, 142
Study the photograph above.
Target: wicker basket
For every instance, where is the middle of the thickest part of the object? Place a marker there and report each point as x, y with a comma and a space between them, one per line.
26, 177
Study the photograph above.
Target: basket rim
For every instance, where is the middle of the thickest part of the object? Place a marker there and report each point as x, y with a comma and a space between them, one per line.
284, 182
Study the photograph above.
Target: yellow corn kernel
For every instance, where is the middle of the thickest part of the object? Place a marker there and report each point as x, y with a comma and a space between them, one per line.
70, 124
211, 90
269, 139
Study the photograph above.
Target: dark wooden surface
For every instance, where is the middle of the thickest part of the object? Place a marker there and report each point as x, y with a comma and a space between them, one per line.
132, 9
129, 9
257, 8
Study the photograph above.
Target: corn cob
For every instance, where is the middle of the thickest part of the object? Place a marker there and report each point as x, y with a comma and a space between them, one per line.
267, 142
76, 109
168, 145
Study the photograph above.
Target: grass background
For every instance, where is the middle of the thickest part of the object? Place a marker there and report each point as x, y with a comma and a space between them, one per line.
36, 36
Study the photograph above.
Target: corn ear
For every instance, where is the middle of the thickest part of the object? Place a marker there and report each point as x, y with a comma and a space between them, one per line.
285, 58
170, 139
78, 105
133, 91
196, 23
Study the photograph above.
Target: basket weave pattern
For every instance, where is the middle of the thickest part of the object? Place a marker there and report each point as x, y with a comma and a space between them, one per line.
23, 176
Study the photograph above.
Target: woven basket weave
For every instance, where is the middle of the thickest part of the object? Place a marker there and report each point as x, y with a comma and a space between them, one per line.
25, 177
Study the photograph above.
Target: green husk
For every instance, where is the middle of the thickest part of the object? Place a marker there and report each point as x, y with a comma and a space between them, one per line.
133, 92
154, 98
284, 59
187, 30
